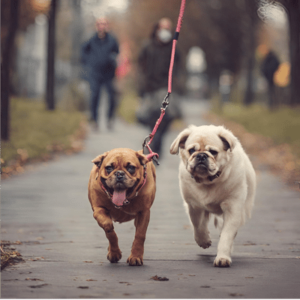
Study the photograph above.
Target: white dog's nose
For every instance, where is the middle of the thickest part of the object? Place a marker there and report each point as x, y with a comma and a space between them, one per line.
202, 156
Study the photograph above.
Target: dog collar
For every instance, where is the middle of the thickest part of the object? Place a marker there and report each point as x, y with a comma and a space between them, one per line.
126, 202
211, 178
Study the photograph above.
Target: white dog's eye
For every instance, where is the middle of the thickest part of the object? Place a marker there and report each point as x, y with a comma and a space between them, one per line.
191, 151
213, 152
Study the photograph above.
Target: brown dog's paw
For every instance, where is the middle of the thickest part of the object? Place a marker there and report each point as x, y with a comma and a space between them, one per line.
222, 262
135, 261
114, 256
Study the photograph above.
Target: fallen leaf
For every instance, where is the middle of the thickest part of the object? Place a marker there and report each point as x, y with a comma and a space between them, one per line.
125, 282
91, 280
205, 286
34, 279
38, 286
82, 287
159, 278
249, 244
88, 261
235, 295
37, 258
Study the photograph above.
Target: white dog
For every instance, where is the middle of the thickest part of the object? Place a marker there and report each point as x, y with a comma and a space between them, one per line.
215, 176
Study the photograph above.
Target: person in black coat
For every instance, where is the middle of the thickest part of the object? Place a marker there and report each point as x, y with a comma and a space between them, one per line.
154, 61
269, 66
98, 55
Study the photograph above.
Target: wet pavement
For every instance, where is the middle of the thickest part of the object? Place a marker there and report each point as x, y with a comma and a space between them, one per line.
64, 249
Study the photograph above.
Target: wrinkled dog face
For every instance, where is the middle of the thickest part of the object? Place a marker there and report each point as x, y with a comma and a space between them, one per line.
119, 176
204, 150
120, 172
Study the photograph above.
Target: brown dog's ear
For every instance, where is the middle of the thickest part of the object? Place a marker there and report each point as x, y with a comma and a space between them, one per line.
142, 158
228, 139
180, 140
99, 159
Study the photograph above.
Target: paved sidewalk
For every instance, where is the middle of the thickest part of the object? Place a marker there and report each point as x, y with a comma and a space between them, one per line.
65, 251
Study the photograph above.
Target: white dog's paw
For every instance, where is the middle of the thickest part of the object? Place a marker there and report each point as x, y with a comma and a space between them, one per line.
222, 261
203, 241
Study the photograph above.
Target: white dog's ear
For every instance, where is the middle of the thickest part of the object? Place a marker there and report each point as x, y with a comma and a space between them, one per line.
228, 139
180, 140
99, 159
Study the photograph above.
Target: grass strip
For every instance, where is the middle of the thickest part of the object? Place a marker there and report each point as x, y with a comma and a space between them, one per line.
36, 133
281, 125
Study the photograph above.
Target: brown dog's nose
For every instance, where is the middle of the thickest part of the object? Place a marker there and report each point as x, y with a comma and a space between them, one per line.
120, 175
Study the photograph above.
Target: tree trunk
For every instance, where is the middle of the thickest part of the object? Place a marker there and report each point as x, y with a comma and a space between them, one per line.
249, 94
50, 84
5, 69
251, 9
76, 33
294, 22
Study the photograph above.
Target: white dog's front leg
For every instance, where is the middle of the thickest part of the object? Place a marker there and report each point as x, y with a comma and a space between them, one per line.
200, 218
232, 214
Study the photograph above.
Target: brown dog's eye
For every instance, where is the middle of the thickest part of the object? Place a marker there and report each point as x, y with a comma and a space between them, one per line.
109, 169
213, 152
131, 169
191, 151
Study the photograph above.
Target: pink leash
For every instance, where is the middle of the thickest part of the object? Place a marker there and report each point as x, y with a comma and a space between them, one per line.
176, 36
166, 102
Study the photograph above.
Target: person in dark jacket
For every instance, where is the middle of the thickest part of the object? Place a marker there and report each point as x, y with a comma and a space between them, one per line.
269, 66
154, 61
99, 58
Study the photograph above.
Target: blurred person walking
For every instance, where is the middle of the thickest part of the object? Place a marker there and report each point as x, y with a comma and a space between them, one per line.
268, 67
99, 58
154, 62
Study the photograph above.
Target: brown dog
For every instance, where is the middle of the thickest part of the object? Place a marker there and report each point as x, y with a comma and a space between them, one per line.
121, 188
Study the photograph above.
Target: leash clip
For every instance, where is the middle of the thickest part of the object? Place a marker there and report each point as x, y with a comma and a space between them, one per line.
166, 102
146, 140
151, 155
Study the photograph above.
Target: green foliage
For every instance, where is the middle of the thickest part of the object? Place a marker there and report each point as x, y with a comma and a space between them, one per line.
38, 131
282, 125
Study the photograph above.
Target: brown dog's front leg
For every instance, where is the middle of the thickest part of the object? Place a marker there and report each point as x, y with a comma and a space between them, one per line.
104, 220
137, 251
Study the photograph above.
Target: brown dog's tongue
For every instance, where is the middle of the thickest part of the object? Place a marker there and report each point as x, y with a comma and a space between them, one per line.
118, 198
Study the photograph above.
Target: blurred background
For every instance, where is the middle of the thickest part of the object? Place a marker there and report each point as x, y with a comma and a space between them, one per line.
242, 56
